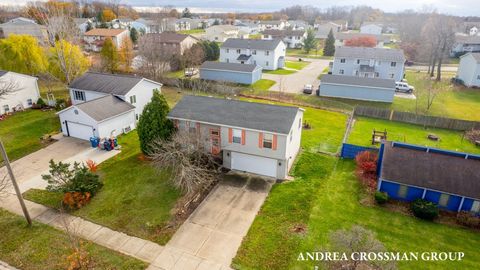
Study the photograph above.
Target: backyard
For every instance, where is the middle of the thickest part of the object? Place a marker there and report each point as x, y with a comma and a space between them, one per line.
43, 247
135, 199
280, 71
361, 134
21, 132
300, 53
298, 65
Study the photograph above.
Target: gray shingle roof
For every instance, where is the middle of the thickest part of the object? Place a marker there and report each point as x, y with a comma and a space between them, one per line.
106, 83
381, 54
437, 171
466, 39
229, 66
105, 107
284, 33
167, 37
3, 72
476, 56
256, 44
250, 115
358, 81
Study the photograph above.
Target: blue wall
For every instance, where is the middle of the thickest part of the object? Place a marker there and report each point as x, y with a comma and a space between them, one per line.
231, 76
351, 150
414, 193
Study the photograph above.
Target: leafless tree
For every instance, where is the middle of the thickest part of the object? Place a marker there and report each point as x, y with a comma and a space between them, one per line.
8, 87
354, 241
79, 257
194, 169
154, 61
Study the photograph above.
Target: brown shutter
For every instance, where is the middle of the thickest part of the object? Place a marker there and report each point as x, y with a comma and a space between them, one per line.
230, 135
243, 137
260, 140
274, 143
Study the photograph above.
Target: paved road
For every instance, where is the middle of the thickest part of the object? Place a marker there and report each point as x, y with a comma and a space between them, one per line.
294, 83
210, 237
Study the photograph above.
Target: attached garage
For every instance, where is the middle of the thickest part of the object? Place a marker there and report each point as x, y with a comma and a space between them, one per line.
102, 117
254, 164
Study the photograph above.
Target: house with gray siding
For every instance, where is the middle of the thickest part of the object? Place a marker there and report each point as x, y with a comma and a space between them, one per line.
382, 63
291, 38
465, 44
230, 72
360, 88
269, 54
446, 178
252, 137
469, 69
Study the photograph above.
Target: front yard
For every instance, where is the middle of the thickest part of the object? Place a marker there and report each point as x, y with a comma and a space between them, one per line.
21, 132
135, 198
361, 134
43, 247
279, 71
298, 65
300, 53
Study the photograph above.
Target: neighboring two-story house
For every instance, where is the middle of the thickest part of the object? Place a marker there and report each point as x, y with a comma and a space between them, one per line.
465, 44
269, 54
291, 38
369, 62
171, 42
469, 69
24, 26
95, 38
371, 28
277, 25
105, 104
220, 33
22, 91
253, 137
341, 38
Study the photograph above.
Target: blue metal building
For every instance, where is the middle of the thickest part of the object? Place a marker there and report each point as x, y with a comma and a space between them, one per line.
449, 179
230, 72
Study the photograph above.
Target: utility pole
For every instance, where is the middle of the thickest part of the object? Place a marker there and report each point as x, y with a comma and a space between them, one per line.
15, 185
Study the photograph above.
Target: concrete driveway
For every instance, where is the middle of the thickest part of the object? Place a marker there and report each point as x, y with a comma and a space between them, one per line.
294, 83
28, 170
210, 237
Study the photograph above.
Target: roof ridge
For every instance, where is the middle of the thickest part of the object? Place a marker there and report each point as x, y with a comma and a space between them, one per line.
114, 74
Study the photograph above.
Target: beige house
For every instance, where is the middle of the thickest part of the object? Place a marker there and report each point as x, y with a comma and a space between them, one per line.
173, 43
95, 38
220, 33
24, 26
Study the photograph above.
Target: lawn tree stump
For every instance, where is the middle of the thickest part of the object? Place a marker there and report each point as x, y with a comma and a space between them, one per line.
433, 137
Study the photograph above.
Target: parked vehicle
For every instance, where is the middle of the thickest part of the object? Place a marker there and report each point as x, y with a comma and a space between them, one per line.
404, 87
308, 89
409, 63
456, 80
189, 72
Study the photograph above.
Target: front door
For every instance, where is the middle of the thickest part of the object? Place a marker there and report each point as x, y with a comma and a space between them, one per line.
215, 140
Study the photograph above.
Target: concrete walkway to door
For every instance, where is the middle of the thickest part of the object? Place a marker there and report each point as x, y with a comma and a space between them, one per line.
211, 236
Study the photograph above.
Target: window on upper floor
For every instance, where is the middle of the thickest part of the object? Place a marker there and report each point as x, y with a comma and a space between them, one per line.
133, 99
267, 52
393, 64
267, 140
342, 60
392, 75
254, 52
228, 50
237, 136
239, 51
78, 95
478, 77
358, 61
377, 74
341, 71
192, 127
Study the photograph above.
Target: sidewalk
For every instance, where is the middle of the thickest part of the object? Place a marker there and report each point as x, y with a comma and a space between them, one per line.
5, 266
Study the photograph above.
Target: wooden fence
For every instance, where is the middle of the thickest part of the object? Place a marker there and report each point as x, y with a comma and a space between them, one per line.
418, 119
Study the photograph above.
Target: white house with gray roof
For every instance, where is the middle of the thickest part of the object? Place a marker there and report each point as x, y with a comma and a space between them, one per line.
277, 25
252, 137
469, 69
103, 94
359, 88
269, 54
382, 63
23, 91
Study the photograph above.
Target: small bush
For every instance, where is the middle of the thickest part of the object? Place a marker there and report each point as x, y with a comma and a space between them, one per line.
381, 197
424, 209
367, 168
76, 200
41, 103
468, 219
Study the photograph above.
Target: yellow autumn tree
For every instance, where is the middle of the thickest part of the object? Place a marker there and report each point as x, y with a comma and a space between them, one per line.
22, 54
108, 15
126, 54
66, 61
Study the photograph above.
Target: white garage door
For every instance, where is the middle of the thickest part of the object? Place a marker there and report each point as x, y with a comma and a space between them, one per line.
254, 164
80, 131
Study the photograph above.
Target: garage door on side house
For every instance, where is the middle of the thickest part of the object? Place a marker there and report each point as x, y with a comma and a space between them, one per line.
80, 131
254, 164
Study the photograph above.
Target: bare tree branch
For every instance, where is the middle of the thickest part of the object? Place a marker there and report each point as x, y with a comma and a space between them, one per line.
8, 87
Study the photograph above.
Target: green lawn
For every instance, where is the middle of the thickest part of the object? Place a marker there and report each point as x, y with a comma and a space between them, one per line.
59, 90
361, 134
298, 65
300, 53
255, 36
279, 71
43, 247
262, 85
22, 131
135, 199
325, 197
176, 74
192, 31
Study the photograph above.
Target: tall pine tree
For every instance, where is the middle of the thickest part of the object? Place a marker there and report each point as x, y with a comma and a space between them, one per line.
329, 49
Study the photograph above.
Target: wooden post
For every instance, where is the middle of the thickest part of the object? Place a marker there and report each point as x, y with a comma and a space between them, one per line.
14, 182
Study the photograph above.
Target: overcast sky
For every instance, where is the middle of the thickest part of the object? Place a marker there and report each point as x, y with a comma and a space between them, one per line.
453, 7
